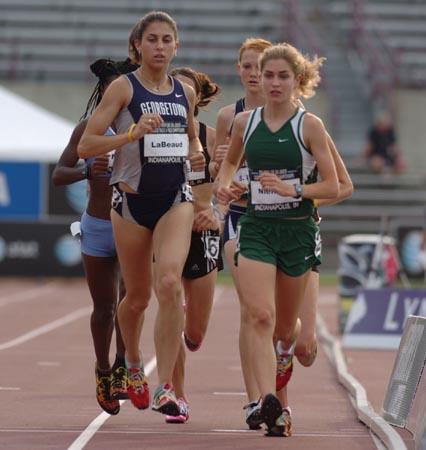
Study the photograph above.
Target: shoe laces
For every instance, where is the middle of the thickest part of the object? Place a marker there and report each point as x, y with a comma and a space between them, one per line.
252, 404
167, 390
137, 378
183, 406
103, 384
120, 371
284, 362
119, 375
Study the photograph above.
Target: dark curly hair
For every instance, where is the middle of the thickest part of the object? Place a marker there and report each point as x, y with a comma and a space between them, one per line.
105, 70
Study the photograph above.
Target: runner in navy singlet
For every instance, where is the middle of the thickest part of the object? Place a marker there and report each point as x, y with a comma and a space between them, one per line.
153, 117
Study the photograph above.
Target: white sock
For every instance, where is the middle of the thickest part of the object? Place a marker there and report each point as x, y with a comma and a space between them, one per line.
137, 365
282, 350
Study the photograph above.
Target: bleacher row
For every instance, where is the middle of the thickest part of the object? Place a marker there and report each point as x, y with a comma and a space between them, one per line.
42, 39
399, 25
397, 200
64, 35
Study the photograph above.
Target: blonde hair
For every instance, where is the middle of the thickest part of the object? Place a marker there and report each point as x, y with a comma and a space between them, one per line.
256, 44
307, 69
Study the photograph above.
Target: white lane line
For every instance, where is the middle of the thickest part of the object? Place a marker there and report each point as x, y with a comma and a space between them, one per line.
94, 426
46, 328
29, 294
48, 363
229, 393
213, 432
5, 388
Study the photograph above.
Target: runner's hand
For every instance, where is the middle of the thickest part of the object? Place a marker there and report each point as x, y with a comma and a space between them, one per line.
197, 161
100, 166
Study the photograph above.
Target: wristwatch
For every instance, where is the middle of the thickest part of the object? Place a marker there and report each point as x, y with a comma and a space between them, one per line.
299, 190
85, 172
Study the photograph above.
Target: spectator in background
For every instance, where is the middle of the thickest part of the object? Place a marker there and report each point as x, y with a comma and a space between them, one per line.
382, 149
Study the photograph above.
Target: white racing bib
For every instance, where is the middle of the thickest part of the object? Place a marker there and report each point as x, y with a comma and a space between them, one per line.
168, 144
266, 200
160, 148
242, 175
192, 174
111, 156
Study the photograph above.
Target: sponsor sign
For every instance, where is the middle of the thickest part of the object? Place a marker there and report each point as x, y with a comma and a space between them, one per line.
21, 190
377, 317
39, 249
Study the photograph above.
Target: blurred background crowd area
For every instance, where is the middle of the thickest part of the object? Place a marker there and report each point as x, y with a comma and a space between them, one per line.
376, 62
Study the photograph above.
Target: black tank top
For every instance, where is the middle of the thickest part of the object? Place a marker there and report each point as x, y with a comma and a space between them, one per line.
203, 176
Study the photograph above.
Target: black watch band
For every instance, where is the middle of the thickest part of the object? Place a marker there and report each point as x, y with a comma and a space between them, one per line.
299, 190
85, 172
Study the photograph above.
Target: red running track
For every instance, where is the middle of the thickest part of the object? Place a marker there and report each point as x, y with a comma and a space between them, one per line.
47, 382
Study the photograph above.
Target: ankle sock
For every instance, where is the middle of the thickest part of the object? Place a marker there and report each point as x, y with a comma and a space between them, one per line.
282, 350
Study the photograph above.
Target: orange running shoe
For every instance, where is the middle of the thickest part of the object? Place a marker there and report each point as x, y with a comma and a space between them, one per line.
103, 393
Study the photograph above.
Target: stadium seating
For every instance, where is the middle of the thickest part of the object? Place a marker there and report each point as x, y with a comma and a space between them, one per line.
40, 39
400, 26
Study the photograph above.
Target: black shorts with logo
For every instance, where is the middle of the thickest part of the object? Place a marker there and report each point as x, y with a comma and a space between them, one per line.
146, 210
205, 254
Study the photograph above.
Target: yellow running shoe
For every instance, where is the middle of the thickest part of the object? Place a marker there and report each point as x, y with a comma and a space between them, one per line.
119, 383
103, 393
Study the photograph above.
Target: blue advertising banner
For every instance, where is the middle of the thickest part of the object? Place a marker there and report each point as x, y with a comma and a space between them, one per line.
377, 317
21, 190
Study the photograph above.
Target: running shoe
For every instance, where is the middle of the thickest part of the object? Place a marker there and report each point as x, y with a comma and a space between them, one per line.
189, 345
184, 413
253, 415
270, 410
165, 402
119, 383
308, 359
284, 367
137, 387
103, 393
282, 425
